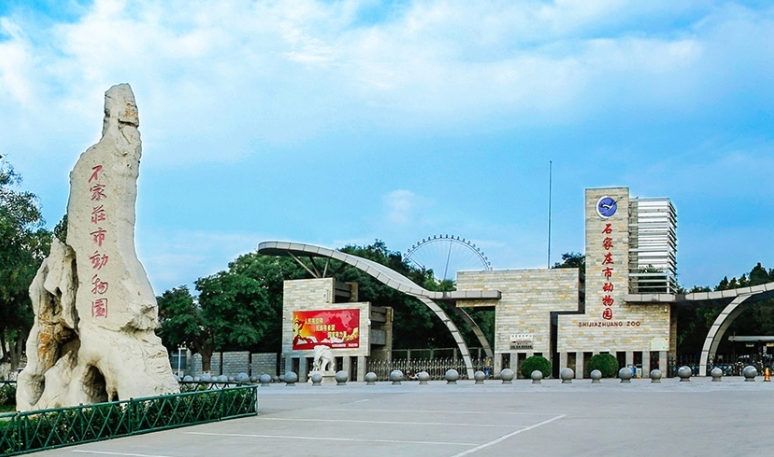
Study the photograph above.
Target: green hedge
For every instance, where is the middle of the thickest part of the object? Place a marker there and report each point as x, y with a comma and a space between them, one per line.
536, 362
7, 395
606, 363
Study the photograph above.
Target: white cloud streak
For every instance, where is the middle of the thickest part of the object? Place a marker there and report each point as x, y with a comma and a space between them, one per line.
429, 64
403, 207
218, 81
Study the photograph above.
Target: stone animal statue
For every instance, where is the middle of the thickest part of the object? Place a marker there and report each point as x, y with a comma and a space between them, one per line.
323, 359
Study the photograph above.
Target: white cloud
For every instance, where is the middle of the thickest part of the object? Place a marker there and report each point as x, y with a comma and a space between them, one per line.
15, 64
218, 81
225, 76
403, 207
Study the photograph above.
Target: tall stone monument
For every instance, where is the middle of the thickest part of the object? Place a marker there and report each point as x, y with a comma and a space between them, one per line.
95, 310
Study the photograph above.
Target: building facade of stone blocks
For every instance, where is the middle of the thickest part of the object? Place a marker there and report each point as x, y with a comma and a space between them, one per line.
323, 294
636, 334
523, 314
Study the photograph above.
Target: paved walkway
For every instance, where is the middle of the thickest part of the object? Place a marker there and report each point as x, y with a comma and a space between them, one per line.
699, 418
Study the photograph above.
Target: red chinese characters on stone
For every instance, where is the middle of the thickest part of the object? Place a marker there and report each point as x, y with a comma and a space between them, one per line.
607, 287
97, 192
95, 173
99, 236
608, 259
100, 286
98, 260
99, 307
98, 214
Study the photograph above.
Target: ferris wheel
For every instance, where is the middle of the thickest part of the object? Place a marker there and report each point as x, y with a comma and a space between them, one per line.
446, 255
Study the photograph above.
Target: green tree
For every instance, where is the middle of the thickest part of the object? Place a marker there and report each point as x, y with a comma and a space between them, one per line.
573, 260
694, 322
183, 323
60, 230
758, 319
414, 325
24, 243
236, 309
270, 272
241, 308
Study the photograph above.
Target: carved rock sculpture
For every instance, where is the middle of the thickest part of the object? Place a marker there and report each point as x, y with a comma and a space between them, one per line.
323, 359
95, 310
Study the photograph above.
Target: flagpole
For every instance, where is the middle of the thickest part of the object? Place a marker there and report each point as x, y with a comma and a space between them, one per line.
550, 189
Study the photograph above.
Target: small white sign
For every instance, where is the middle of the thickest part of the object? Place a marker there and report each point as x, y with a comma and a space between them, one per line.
522, 340
659, 344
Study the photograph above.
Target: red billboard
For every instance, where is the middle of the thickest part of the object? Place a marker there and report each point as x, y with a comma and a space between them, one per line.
336, 328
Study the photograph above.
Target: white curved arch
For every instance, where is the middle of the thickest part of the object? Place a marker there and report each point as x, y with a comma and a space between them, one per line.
398, 282
738, 300
718, 329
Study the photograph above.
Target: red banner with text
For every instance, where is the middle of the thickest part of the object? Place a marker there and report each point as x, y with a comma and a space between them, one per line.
337, 328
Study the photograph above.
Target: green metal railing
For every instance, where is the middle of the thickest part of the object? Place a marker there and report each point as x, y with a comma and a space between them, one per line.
52, 428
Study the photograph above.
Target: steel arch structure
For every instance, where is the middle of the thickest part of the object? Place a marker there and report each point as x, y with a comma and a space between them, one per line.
736, 301
393, 279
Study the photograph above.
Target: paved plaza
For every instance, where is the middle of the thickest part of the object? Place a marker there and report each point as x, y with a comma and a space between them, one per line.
698, 418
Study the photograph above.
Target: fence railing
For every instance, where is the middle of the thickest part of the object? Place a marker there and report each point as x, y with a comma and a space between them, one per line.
436, 368
436, 353
198, 386
731, 366
52, 428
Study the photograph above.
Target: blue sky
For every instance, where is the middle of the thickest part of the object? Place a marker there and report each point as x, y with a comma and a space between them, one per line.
337, 122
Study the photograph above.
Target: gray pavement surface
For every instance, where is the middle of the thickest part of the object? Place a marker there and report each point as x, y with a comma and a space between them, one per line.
699, 418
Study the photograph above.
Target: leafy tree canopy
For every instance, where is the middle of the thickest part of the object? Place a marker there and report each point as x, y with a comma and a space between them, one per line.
572, 260
24, 243
693, 323
236, 309
241, 308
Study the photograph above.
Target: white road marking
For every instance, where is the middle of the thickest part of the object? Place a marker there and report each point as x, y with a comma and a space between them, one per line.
505, 437
351, 440
127, 454
425, 411
354, 421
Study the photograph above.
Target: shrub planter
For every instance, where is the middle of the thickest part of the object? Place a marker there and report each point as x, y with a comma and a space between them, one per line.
536, 362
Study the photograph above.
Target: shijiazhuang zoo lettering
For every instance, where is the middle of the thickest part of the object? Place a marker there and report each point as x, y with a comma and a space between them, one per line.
610, 324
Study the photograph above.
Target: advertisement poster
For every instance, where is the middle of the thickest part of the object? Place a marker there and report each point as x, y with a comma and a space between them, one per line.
337, 328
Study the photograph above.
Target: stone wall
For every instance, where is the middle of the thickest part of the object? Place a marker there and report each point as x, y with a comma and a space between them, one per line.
264, 364
528, 298
234, 363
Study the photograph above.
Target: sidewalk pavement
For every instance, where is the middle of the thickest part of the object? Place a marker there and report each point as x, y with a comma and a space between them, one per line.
696, 418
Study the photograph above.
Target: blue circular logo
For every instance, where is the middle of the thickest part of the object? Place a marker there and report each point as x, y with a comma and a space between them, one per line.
606, 207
